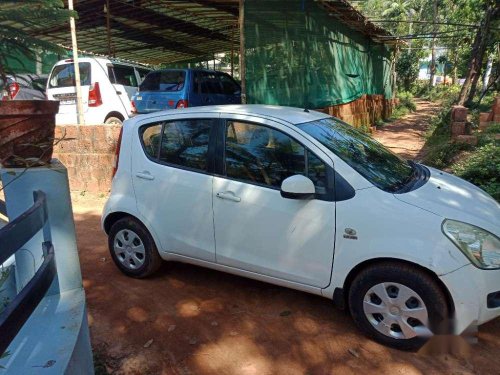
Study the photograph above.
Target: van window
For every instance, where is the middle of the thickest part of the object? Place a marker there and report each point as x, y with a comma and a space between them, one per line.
229, 86
64, 75
207, 83
142, 73
123, 75
169, 80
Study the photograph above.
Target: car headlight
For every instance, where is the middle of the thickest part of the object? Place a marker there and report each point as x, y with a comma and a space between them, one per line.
480, 246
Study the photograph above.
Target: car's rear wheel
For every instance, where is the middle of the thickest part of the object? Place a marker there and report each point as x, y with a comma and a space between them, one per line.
397, 305
133, 249
113, 121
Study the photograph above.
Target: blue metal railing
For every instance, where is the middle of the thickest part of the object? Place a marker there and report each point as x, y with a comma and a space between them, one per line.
12, 237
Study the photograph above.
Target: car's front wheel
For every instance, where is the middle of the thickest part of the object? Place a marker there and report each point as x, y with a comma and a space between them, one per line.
397, 305
133, 249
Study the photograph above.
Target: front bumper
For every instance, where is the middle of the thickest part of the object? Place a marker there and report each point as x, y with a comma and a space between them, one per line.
470, 287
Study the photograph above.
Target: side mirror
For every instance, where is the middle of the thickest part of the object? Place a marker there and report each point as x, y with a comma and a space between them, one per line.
297, 187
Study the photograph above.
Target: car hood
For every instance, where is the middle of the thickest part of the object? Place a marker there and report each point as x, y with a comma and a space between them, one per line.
453, 198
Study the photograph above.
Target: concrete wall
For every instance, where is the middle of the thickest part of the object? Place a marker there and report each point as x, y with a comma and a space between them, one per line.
88, 152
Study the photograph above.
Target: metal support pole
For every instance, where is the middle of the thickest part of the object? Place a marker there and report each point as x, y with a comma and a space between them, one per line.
79, 103
108, 28
232, 52
242, 53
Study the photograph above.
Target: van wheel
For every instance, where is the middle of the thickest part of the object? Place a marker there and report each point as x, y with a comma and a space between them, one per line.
133, 249
397, 305
113, 121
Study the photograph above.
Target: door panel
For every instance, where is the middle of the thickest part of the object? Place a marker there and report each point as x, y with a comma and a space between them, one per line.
258, 230
173, 190
124, 81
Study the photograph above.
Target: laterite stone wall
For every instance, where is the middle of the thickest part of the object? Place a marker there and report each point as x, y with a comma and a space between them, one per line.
88, 152
364, 111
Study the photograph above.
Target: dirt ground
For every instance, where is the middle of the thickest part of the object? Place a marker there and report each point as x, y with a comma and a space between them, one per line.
190, 320
406, 136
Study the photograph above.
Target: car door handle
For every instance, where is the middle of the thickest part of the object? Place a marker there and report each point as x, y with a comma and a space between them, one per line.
229, 196
145, 175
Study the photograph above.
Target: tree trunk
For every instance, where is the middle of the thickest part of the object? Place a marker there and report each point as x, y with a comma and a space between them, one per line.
487, 73
476, 60
433, 47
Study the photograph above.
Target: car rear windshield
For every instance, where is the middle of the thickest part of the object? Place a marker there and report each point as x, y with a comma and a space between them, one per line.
167, 80
369, 158
64, 75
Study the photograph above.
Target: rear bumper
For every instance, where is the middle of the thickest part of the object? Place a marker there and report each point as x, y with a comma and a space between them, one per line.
472, 291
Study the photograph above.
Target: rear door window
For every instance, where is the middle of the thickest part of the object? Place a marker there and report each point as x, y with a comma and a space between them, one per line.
229, 86
122, 75
180, 143
208, 83
64, 75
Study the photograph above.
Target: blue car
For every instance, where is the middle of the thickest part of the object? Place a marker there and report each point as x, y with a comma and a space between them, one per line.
180, 88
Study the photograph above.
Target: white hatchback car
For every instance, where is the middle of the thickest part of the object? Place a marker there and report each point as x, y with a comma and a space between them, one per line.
299, 199
107, 88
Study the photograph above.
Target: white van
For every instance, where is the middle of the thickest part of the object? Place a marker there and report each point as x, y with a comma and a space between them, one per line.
107, 87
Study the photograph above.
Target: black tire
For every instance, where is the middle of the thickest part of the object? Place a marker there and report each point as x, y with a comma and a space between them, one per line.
151, 259
112, 120
411, 277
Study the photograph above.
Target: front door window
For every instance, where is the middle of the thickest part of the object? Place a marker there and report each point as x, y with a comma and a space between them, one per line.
265, 156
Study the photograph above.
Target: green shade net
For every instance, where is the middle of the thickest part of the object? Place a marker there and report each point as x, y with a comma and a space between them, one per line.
298, 55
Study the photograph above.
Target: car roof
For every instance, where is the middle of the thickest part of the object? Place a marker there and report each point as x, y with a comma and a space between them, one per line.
190, 69
102, 60
291, 115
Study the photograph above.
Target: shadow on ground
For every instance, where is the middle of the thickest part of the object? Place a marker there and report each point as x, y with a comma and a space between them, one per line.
207, 322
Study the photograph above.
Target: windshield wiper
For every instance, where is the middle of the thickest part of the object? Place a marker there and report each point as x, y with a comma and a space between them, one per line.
408, 183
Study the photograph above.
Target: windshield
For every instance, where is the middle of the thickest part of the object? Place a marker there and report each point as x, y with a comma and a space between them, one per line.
369, 158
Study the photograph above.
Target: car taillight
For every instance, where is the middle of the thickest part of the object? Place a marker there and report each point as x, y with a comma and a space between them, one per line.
117, 152
134, 108
13, 89
95, 99
182, 104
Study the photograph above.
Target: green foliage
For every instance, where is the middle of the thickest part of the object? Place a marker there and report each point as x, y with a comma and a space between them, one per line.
482, 168
406, 100
446, 94
17, 17
479, 164
493, 129
407, 67
444, 151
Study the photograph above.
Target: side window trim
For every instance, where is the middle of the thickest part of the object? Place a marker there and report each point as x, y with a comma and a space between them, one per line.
212, 138
220, 165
